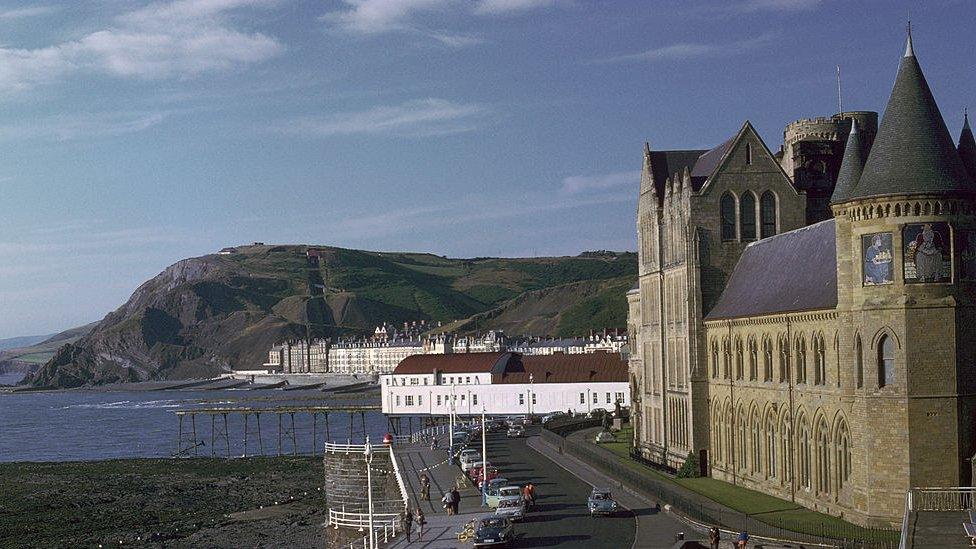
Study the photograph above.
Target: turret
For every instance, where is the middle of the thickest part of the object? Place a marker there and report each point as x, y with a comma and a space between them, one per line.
851, 166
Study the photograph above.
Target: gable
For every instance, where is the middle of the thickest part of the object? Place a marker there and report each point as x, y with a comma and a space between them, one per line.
747, 154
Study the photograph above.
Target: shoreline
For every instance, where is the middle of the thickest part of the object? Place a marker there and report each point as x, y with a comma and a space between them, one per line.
220, 383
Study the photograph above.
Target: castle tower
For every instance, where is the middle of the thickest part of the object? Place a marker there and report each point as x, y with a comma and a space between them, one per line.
907, 294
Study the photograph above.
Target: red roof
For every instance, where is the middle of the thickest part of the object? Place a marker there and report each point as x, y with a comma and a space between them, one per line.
565, 368
455, 363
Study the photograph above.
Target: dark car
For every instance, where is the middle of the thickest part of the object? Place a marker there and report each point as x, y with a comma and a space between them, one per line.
601, 502
493, 532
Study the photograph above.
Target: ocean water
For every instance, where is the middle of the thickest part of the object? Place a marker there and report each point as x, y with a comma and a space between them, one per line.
92, 425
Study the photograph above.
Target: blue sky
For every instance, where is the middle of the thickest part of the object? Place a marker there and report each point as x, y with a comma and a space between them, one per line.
134, 134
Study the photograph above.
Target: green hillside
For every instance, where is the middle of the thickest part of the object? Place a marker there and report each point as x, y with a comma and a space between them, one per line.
220, 312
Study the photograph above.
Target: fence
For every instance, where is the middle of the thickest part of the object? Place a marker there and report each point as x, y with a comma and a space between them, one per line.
934, 499
706, 511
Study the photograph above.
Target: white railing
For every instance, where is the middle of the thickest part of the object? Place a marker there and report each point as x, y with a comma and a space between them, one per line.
360, 520
335, 448
955, 498
388, 533
399, 477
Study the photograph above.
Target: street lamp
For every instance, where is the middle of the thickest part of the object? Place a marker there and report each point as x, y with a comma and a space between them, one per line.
450, 423
368, 451
484, 458
531, 395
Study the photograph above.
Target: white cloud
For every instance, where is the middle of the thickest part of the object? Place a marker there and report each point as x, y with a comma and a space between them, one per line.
776, 5
423, 117
691, 50
378, 16
502, 7
83, 125
174, 39
21, 13
578, 184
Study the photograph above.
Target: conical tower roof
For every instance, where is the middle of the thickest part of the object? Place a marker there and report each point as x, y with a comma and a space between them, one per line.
850, 167
913, 152
967, 148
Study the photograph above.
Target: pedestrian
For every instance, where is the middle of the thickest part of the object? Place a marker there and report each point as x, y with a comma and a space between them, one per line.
424, 487
714, 537
448, 502
433, 443
406, 522
421, 520
456, 499
530, 493
742, 540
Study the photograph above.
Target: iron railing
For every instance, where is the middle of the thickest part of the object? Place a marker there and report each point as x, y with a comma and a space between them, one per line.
956, 498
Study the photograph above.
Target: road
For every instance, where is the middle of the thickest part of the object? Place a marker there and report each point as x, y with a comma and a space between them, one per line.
560, 518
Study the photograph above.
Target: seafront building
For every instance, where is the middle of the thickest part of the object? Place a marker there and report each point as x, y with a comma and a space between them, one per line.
388, 347
504, 383
823, 361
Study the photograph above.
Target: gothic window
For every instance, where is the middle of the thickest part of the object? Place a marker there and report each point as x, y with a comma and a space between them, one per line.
738, 358
786, 450
859, 362
823, 457
727, 212
819, 360
767, 214
748, 153
727, 363
771, 446
747, 216
886, 361
767, 359
753, 359
715, 359
801, 360
743, 440
803, 453
756, 461
842, 442
784, 359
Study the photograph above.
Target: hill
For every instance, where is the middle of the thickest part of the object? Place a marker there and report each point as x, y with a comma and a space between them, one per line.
211, 314
30, 353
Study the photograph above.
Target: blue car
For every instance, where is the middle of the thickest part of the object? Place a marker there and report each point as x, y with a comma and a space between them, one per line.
601, 502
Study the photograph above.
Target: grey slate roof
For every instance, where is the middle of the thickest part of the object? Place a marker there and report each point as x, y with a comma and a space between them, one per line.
664, 164
967, 148
789, 272
913, 152
850, 167
708, 161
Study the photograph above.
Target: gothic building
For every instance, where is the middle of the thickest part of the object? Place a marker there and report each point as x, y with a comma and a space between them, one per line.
810, 361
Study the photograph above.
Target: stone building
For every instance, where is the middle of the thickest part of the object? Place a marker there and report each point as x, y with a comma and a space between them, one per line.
839, 354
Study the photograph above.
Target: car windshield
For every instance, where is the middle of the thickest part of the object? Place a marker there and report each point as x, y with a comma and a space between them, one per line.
509, 491
508, 503
601, 495
492, 523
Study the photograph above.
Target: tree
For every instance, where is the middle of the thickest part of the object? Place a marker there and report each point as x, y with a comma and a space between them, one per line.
690, 469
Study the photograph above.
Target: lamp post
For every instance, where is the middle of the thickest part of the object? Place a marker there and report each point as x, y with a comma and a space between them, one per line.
484, 458
369, 491
450, 423
531, 395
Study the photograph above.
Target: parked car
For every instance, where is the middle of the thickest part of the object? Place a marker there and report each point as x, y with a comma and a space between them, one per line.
549, 417
605, 436
516, 431
474, 468
527, 421
499, 493
493, 531
468, 459
480, 475
495, 483
515, 420
601, 502
511, 508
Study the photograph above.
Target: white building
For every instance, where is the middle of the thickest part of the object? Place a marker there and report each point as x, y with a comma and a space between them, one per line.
505, 383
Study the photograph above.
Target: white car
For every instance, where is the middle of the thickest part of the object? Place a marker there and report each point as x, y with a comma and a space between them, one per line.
516, 431
511, 508
468, 459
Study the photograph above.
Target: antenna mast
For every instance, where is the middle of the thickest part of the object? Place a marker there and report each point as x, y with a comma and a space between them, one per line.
840, 102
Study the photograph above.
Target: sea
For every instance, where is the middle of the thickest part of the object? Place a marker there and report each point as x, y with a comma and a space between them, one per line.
79, 425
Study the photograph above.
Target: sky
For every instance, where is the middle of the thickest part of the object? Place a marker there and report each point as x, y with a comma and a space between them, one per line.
134, 134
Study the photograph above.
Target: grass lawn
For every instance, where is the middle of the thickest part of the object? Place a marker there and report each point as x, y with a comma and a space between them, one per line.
762, 507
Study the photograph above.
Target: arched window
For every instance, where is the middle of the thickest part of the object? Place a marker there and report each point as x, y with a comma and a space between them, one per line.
823, 457
842, 443
767, 359
767, 214
886, 361
785, 450
803, 453
748, 153
858, 362
753, 359
771, 446
727, 362
738, 358
819, 361
727, 211
743, 438
784, 359
747, 216
801, 360
756, 462
714, 359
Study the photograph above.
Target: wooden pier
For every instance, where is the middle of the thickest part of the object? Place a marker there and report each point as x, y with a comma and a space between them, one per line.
188, 442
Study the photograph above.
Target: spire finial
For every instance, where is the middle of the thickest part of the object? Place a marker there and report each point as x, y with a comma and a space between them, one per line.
853, 126
965, 117
909, 49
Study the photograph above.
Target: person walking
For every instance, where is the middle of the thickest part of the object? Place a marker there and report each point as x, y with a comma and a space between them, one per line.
421, 520
424, 487
714, 537
456, 499
433, 443
530, 494
742, 540
406, 522
448, 501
